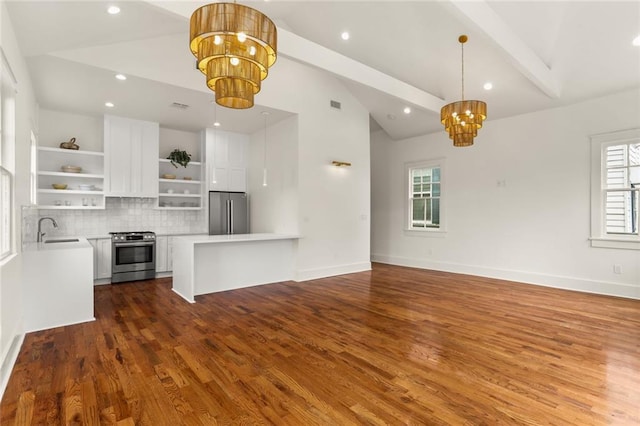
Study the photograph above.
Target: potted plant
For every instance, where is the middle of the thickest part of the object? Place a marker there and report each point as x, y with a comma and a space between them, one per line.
179, 157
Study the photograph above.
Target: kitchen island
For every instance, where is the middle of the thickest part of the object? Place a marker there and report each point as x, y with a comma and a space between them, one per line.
205, 264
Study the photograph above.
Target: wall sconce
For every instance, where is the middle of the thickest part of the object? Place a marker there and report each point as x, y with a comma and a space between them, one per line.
340, 163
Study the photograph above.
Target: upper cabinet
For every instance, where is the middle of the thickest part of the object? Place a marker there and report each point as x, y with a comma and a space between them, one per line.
131, 157
227, 161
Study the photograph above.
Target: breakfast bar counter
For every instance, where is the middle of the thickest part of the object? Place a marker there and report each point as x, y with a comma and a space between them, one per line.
205, 264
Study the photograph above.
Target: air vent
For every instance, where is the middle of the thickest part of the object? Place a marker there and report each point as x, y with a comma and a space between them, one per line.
336, 105
179, 105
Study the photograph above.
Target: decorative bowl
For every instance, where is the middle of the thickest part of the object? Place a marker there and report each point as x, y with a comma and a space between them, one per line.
84, 187
71, 169
59, 185
168, 176
187, 178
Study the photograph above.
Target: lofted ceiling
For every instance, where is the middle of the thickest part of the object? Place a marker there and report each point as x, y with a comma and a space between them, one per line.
538, 55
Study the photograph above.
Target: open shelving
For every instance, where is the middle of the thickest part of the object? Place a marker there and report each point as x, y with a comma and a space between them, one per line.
50, 162
180, 193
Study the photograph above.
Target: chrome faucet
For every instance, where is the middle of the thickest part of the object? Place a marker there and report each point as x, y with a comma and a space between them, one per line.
42, 234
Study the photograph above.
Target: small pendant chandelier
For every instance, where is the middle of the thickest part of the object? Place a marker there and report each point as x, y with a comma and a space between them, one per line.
234, 46
462, 119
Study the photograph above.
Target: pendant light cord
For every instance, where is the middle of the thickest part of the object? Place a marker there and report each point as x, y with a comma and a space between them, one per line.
462, 50
264, 146
264, 160
215, 136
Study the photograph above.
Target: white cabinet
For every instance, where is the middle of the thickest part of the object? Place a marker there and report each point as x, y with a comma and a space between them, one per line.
161, 253
164, 253
101, 258
227, 161
170, 253
84, 180
131, 157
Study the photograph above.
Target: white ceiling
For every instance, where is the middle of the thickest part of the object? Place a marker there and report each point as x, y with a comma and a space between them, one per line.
537, 54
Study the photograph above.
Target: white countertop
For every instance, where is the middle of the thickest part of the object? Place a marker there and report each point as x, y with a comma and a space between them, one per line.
108, 237
81, 243
235, 238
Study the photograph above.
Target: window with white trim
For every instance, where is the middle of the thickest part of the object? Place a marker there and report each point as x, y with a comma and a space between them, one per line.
7, 156
615, 189
5, 213
424, 208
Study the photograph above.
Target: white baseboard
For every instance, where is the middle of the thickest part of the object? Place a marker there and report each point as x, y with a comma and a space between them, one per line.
62, 325
179, 294
312, 274
546, 280
9, 361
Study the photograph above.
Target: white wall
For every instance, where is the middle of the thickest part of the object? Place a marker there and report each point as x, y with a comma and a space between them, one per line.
11, 319
56, 127
536, 228
334, 204
171, 139
274, 208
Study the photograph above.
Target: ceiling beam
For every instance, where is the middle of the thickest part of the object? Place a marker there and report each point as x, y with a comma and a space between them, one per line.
521, 55
310, 53
305, 51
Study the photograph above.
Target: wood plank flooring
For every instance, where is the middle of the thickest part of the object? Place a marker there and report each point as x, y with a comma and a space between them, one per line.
392, 346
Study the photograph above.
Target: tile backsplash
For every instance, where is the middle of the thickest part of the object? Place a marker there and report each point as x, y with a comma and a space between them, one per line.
120, 214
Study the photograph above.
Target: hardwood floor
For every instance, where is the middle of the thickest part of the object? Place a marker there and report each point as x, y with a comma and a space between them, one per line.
391, 346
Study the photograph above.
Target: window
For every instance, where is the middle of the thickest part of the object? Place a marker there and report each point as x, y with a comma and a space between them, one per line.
424, 209
5, 213
615, 189
7, 156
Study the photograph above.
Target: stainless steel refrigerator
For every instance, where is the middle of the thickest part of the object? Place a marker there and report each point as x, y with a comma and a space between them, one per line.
228, 213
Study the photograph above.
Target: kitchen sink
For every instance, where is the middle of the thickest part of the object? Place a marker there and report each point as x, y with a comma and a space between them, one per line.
62, 240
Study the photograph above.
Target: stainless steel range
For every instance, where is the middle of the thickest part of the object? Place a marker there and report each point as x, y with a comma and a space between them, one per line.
133, 256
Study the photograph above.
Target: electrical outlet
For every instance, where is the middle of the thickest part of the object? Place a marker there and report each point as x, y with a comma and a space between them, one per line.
617, 269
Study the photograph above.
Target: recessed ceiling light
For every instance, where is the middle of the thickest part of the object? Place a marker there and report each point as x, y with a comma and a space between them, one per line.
488, 85
109, 104
121, 77
636, 41
407, 110
345, 35
216, 124
113, 10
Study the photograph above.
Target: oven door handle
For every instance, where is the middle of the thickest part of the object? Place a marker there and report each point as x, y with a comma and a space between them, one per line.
135, 244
